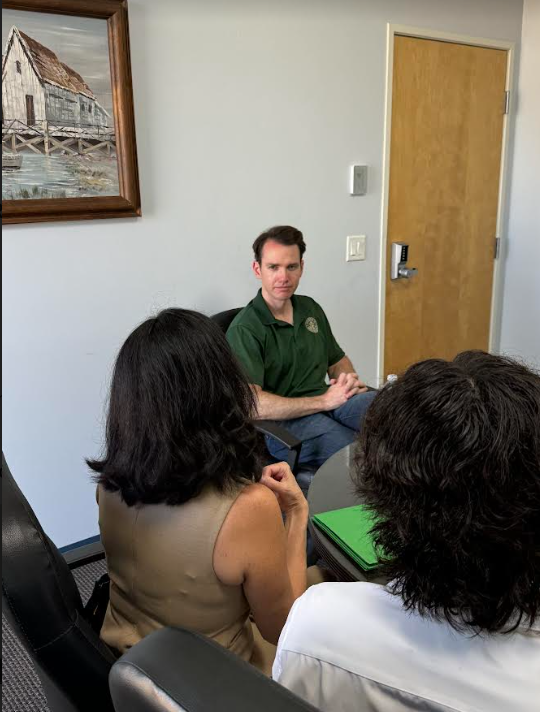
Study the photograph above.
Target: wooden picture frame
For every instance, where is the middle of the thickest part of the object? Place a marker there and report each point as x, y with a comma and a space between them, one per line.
127, 203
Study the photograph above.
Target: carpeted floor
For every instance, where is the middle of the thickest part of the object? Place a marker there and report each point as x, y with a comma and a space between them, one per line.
21, 689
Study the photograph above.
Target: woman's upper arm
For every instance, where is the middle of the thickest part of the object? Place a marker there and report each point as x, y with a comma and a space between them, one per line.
251, 550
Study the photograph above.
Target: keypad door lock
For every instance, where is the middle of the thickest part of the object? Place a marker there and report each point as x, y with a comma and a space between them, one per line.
398, 267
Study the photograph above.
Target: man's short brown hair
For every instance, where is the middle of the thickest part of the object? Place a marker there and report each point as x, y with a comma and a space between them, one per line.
284, 235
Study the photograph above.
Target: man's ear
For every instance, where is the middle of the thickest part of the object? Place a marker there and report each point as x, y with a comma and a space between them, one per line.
256, 269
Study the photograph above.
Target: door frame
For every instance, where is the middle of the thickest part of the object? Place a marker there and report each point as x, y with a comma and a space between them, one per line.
502, 208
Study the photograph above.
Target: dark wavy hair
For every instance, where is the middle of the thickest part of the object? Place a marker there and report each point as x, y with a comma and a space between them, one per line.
179, 414
449, 460
282, 234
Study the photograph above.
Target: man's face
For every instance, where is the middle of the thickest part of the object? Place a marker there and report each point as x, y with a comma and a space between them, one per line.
279, 270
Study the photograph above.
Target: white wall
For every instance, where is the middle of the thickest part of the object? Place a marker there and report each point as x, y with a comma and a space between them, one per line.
520, 332
248, 115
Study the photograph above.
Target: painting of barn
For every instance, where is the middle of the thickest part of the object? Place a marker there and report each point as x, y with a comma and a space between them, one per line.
38, 87
58, 134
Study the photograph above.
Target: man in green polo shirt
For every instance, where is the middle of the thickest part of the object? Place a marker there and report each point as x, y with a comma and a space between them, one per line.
287, 349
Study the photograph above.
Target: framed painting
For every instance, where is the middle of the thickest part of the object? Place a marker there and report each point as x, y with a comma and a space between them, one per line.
68, 128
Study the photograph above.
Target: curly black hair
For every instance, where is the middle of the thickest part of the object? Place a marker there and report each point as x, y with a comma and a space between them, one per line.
449, 460
179, 414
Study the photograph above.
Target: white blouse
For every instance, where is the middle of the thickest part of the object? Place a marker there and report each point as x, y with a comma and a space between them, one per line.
352, 646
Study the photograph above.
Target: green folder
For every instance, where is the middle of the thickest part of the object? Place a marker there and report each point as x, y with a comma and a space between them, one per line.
349, 529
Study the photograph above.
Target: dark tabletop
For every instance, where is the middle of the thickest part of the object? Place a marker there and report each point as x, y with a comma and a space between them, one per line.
333, 488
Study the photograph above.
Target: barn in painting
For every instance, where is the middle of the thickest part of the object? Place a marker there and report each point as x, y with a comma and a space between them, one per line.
37, 88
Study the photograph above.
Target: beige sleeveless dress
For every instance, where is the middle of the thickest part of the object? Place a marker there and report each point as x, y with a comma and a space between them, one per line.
160, 561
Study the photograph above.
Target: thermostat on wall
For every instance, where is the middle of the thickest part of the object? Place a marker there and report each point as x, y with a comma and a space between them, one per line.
358, 180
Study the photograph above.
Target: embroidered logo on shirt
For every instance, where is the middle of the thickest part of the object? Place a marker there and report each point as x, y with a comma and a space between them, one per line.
311, 325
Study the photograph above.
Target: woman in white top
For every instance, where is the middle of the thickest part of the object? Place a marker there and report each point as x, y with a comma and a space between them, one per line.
449, 459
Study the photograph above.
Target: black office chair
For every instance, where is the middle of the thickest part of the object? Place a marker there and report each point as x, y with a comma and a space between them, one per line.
304, 473
42, 603
172, 669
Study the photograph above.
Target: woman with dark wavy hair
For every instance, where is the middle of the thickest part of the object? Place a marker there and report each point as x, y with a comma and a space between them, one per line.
191, 527
449, 461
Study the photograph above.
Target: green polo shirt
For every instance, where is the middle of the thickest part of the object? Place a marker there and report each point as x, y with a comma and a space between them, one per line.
289, 360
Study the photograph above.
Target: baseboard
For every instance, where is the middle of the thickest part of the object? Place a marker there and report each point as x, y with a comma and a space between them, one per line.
77, 544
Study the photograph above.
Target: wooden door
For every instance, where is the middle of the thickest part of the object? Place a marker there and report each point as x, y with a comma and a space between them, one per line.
30, 113
445, 155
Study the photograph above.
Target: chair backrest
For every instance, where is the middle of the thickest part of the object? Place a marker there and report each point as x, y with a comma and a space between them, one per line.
224, 318
42, 603
177, 670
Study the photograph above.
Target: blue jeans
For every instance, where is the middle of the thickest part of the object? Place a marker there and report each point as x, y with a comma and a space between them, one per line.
323, 434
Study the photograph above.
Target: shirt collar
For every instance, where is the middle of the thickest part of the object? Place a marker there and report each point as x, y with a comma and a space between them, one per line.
263, 312
523, 628
266, 316
527, 629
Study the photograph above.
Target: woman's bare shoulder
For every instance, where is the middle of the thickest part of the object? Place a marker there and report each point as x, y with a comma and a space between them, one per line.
257, 495
253, 518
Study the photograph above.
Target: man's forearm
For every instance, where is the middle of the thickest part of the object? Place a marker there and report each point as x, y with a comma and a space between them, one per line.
344, 365
272, 407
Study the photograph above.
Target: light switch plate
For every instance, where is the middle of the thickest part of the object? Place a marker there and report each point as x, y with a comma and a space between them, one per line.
356, 248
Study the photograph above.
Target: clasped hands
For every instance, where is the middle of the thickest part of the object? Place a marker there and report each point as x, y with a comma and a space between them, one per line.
345, 386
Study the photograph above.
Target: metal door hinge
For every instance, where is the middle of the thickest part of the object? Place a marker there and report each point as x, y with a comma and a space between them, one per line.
506, 102
497, 247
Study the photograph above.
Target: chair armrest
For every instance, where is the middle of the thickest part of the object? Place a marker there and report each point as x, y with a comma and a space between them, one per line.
269, 427
176, 669
83, 555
